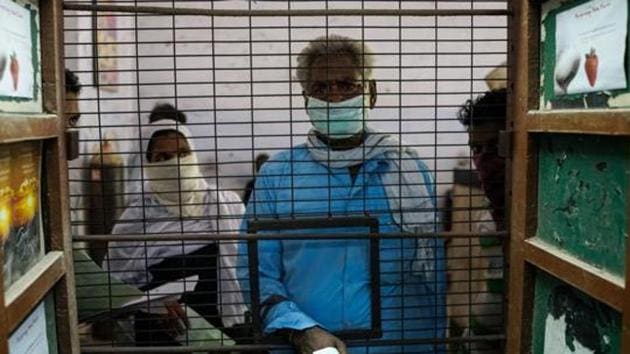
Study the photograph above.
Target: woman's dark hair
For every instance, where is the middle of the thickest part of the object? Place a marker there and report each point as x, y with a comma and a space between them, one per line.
167, 111
72, 82
492, 105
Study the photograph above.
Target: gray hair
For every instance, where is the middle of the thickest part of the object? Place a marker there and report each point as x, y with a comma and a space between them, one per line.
334, 44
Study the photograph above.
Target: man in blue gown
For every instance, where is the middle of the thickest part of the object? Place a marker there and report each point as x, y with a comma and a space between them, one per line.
310, 289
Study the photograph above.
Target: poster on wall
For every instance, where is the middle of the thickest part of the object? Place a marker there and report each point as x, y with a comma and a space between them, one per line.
107, 53
20, 216
16, 56
31, 336
591, 47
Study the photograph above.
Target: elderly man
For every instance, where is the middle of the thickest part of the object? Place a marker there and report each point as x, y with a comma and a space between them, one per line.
311, 289
178, 199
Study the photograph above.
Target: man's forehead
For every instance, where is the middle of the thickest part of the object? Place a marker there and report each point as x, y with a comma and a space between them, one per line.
339, 65
486, 130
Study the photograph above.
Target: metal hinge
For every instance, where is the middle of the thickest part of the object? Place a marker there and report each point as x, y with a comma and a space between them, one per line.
505, 143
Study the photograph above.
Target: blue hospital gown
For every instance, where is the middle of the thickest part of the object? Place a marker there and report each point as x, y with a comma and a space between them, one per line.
327, 282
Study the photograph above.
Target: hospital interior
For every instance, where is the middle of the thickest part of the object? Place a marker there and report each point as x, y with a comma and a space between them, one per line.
320, 176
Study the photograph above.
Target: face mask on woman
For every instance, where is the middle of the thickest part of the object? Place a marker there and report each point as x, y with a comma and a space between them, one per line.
178, 184
337, 120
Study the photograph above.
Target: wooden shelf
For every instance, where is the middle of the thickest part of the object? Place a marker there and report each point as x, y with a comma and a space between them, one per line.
15, 128
22, 297
595, 282
596, 121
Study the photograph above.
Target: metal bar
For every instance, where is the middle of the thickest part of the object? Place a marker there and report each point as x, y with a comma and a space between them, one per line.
312, 223
254, 288
375, 280
247, 348
156, 10
233, 237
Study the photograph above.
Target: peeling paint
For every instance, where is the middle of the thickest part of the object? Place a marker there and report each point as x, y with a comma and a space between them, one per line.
582, 199
566, 320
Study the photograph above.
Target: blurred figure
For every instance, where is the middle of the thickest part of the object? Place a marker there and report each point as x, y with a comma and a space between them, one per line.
71, 105
260, 160
134, 180
179, 200
484, 118
311, 289
78, 167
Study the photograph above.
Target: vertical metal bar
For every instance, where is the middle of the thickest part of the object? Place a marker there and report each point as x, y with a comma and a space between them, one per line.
470, 298
254, 287
401, 241
375, 277
142, 154
215, 135
435, 142
291, 121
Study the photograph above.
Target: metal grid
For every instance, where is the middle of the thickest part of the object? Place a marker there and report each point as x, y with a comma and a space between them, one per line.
230, 68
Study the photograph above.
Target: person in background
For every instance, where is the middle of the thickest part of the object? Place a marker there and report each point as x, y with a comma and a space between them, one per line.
312, 289
134, 178
78, 167
71, 104
484, 117
260, 160
179, 200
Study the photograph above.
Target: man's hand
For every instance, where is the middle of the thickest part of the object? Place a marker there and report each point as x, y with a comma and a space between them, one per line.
315, 338
176, 321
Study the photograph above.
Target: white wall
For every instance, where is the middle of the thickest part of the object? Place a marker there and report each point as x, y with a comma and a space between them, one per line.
420, 85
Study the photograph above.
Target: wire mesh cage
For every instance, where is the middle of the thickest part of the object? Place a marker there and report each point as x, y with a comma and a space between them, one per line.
265, 175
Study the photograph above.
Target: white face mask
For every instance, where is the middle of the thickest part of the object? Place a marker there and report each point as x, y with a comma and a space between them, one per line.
178, 185
337, 119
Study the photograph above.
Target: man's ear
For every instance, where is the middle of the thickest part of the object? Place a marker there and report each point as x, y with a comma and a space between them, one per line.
373, 93
305, 99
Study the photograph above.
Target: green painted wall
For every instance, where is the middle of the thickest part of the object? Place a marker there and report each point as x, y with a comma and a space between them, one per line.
583, 196
585, 322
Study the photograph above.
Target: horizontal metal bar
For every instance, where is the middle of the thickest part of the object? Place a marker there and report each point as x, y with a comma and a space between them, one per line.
312, 223
283, 13
246, 348
284, 236
283, 41
278, 27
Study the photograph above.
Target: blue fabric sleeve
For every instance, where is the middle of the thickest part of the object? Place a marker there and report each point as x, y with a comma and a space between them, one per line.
438, 278
280, 313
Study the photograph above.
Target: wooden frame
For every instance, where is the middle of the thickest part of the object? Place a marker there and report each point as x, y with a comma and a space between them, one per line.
527, 255
54, 273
